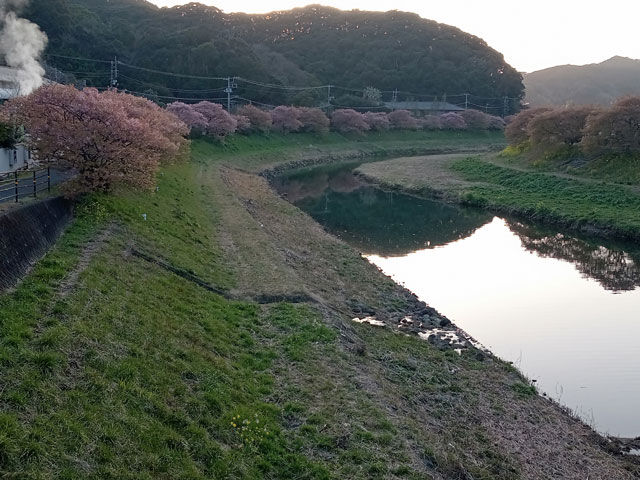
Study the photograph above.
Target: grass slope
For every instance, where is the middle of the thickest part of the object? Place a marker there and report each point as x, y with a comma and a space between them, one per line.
113, 367
137, 373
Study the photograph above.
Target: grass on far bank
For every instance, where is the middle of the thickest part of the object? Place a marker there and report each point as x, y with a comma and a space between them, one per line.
490, 181
255, 152
615, 168
549, 196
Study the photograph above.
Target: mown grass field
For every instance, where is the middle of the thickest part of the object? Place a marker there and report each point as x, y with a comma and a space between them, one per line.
117, 368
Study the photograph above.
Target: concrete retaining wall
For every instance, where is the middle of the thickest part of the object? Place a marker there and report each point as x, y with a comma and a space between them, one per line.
26, 233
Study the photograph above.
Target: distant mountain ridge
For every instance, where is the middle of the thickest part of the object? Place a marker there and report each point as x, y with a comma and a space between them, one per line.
314, 45
598, 83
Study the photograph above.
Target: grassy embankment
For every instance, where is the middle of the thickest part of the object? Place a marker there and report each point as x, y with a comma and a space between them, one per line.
257, 153
615, 168
508, 185
114, 367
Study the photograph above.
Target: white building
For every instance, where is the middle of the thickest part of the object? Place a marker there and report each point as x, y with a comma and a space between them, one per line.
12, 159
9, 85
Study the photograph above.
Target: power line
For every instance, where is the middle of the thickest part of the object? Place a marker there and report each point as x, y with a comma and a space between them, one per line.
253, 102
86, 74
76, 58
183, 90
269, 85
378, 107
282, 87
170, 73
143, 94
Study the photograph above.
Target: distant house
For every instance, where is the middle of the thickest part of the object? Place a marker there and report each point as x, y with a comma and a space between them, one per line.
12, 159
424, 108
9, 85
18, 157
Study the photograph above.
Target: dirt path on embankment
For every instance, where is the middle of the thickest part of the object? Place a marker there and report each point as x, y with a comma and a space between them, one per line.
465, 415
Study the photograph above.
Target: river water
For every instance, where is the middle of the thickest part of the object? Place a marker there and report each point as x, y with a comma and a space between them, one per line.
564, 309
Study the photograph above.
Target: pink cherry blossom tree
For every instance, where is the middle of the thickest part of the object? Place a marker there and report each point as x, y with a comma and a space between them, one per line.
431, 122
452, 121
403, 120
108, 138
516, 130
243, 124
193, 119
313, 120
259, 119
495, 123
377, 121
219, 122
475, 119
285, 119
348, 121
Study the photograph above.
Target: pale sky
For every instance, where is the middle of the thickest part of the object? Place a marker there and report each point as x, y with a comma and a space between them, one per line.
532, 35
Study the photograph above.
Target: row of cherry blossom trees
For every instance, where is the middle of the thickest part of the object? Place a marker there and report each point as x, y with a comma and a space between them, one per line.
590, 130
108, 138
211, 119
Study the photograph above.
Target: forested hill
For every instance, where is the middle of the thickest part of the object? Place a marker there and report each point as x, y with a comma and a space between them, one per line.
308, 46
599, 83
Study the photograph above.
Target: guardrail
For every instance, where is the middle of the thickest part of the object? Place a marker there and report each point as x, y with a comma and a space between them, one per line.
27, 183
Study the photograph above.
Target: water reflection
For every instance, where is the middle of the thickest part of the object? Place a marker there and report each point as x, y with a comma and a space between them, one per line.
391, 224
576, 338
313, 183
613, 268
384, 223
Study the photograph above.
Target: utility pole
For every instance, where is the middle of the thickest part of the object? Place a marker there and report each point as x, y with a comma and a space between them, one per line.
231, 84
394, 99
114, 73
505, 106
466, 101
328, 95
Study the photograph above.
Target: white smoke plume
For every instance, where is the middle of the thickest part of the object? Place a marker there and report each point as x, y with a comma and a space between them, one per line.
21, 43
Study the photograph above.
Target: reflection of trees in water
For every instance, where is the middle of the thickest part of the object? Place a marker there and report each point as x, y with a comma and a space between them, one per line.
609, 265
297, 189
313, 183
372, 220
391, 224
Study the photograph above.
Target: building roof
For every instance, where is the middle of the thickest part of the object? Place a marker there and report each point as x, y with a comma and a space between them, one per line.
9, 85
429, 106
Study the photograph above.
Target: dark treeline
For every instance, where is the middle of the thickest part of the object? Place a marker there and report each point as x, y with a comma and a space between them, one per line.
309, 46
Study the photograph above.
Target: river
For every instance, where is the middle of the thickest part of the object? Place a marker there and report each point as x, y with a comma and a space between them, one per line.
565, 309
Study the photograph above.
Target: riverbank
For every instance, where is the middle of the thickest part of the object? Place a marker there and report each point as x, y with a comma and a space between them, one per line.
610, 210
184, 362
